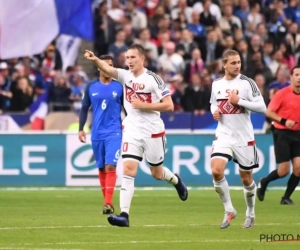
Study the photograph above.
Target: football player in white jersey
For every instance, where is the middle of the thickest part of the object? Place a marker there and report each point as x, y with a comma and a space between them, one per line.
233, 97
146, 95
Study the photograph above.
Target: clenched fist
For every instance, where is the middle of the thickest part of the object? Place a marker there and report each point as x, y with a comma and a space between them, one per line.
90, 55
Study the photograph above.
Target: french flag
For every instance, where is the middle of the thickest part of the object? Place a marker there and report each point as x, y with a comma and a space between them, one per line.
28, 26
38, 112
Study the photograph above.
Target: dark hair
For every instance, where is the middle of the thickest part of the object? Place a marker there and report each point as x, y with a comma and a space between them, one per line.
293, 69
229, 53
106, 57
138, 47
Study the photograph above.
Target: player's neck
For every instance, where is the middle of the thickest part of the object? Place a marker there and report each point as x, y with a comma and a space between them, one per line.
137, 73
296, 90
105, 80
230, 77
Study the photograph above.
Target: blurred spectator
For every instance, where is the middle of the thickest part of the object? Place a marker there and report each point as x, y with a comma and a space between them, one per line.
196, 97
52, 58
182, 9
119, 45
196, 65
212, 49
254, 18
138, 18
170, 62
144, 40
281, 81
228, 23
206, 17
44, 79
214, 9
22, 95
5, 85
186, 44
104, 27
59, 94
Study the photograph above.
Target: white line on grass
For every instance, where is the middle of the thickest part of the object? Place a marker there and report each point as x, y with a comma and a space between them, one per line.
127, 242
14, 248
138, 226
118, 188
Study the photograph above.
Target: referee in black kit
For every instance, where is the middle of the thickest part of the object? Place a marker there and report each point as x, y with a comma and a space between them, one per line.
284, 110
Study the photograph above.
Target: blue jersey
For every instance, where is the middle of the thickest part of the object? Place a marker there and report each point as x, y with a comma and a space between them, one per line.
106, 102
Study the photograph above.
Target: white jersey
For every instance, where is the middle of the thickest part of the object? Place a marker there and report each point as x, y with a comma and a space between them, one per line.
149, 88
235, 125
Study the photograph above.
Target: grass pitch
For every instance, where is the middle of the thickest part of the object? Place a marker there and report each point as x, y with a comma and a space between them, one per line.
71, 219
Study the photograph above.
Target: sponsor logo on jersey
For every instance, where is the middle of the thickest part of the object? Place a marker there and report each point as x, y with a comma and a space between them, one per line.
141, 86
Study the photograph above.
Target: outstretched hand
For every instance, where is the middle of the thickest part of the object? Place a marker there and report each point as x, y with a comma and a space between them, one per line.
89, 55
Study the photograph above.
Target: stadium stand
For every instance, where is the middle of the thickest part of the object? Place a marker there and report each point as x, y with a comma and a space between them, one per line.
184, 40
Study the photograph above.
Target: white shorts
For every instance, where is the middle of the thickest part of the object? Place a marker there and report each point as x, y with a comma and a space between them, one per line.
245, 156
134, 148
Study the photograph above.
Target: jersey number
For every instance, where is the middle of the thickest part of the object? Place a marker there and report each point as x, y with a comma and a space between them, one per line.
103, 105
125, 147
227, 92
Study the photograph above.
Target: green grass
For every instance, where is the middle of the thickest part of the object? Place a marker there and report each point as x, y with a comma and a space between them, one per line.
159, 220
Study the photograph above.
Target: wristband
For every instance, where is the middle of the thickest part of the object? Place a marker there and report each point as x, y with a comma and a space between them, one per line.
283, 121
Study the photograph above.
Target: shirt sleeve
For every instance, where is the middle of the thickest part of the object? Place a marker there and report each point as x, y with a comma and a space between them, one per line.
86, 101
255, 102
213, 101
123, 75
275, 103
159, 86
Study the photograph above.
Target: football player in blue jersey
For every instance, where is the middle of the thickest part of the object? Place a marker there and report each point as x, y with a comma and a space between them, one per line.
105, 97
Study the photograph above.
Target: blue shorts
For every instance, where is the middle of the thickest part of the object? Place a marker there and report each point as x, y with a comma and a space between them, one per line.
106, 151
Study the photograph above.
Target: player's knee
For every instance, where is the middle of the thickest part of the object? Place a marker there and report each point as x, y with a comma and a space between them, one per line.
217, 168
247, 180
130, 168
296, 171
217, 172
283, 169
110, 167
157, 173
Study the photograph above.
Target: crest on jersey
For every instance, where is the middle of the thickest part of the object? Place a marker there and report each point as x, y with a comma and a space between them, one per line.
141, 86
114, 94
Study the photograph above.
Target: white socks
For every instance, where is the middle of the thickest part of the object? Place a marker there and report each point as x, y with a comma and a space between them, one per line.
250, 195
169, 176
222, 189
126, 193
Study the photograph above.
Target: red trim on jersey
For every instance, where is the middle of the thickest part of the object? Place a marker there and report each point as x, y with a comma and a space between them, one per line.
158, 135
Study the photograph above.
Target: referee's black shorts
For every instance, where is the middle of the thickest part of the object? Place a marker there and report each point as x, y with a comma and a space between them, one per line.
286, 144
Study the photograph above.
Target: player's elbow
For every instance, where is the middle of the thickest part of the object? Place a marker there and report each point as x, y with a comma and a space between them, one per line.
169, 107
268, 113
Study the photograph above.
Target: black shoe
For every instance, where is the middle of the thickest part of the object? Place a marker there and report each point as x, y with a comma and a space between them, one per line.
121, 220
261, 190
108, 209
181, 189
286, 201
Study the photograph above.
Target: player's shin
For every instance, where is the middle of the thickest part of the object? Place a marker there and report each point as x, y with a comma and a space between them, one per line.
222, 188
102, 179
250, 196
126, 193
110, 186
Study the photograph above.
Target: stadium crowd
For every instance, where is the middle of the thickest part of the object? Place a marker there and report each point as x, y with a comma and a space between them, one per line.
184, 41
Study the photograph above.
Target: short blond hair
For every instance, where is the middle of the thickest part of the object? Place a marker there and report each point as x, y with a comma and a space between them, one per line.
229, 53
